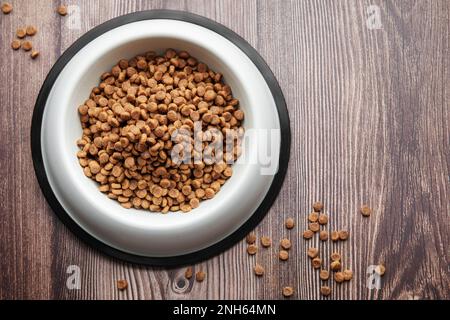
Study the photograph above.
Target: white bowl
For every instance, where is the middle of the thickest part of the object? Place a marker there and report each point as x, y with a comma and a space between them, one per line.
138, 235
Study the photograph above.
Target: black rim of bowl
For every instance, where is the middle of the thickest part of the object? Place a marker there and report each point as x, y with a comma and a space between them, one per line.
216, 248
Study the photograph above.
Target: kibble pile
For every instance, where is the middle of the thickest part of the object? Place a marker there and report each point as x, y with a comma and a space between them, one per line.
128, 122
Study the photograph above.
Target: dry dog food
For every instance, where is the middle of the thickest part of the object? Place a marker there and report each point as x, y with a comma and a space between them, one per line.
365, 210
380, 269
288, 291
7, 8
323, 219
343, 235
285, 244
34, 54
348, 274
323, 235
325, 290
313, 217
258, 269
308, 234
335, 256
317, 206
252, 249
27, 45
132, 117
62, 10
266, 242
290, 223
188, 273
200, 276
251, 238
16, 44
334, 235
324, 275
313, 252
314, 227
339, 277
122, 284
283, 255
21, 33
335, 265
31, 30
316, 263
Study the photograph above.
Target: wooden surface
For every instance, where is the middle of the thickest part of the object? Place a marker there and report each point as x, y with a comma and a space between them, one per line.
369, 115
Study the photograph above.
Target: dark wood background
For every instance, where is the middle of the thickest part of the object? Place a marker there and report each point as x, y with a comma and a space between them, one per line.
370, 118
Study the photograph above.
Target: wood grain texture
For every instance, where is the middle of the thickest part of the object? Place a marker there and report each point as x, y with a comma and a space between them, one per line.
369, 115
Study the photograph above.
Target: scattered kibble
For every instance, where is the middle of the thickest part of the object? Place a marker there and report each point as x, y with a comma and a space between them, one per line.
339, 277
335, 265
314, 226
31, 30
313, 217
343, 235
313, 252
316, 263
335, 256
380, 269
317, 206
21, 33
308, 234
290, 223
325, 291
323, 219
122, 284
188, 273
251, 238
252, 249
283, 255
285, 244
365, 210
288, 291
348, 274
324, 275
16, 44
62, 10
7, 7
334, 235
34, 54
200, 276
266, 242
323, 235
258, 269
27, 45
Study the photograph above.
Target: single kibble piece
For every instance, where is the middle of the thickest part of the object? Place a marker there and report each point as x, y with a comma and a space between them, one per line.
308, 234
380, 269
200, 276
288, 291
365, 210
34, 54
252, 249
27, 45
313, 252
323, 235
7, 8
335, 265
62, 10
290, 223
343, 235
314, 226
251, 238
122, 284
283, 255
313, 217
31, 30
266, 242
15, 44
325, 291
188, 273
339, 277
21, 33
258, 269
317, 206
285, 244
334, 235
323, 218
335, 256
324, 275
316, 263
348, 275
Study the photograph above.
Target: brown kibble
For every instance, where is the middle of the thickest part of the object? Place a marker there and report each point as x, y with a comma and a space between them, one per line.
285, 244
314, 227
335, 265
365, 210
266, 242
288, 291
252, 249
348, 275
62, 10
308, 234
251, 238
27, 45
210, 95
290, 223
380, 269
122, 284
31, 30
259, 270
317, 206
335, 256
316, 263
313, 252
339, 277
283, 255
7, 8
323, 218
34, 54
313, 217
16, 44
188, 273
323, 235
324, 275
200, 276
343, 235
334, 235
325, 291
21, 33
